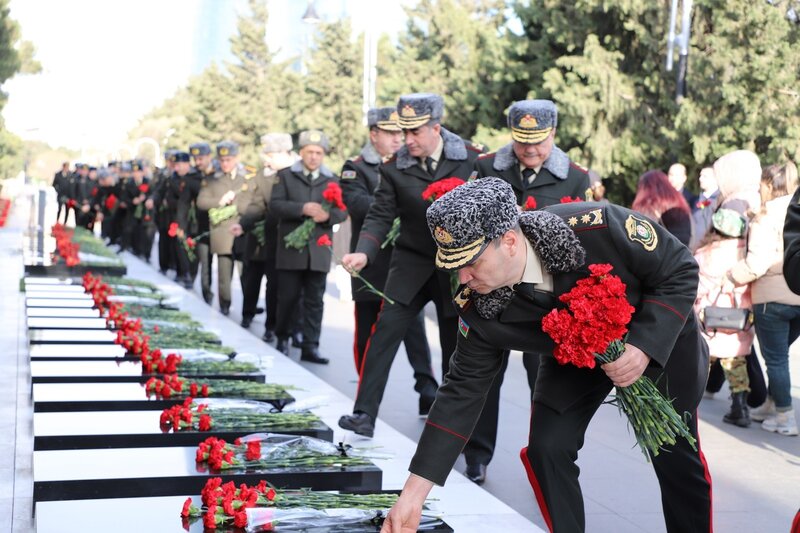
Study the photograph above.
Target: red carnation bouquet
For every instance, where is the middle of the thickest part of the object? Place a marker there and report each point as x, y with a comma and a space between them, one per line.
591, 330
299, 237
530, 204
437, 189
111, 202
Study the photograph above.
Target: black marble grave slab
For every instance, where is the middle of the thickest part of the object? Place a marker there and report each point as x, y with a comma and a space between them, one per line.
131, 472
129, 371
66, 323
125, 429
77, 352
67, 336
61, 270
60, 397
62, 312
59, 302
161, 514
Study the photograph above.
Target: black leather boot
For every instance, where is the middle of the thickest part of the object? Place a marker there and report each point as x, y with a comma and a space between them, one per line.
739, 415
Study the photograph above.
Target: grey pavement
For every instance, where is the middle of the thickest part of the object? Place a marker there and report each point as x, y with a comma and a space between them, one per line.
756, 474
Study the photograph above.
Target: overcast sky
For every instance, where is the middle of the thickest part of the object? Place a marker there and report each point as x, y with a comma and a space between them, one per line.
105, 63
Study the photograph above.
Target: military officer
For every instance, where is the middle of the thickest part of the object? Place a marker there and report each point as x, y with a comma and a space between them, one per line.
261, 227
157, 203
430, 153
540, 174
178, 201
230, 186
203, 170
359, 181
512, 267
296, 197
61, 184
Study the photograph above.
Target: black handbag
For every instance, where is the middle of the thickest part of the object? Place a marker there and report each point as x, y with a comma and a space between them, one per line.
726, 319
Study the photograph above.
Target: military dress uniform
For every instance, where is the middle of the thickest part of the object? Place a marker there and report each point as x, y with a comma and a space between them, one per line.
166, 255
305, 269
202, 247
61, 186
530, 122
221, 238
413, 279
661, 279
359, 180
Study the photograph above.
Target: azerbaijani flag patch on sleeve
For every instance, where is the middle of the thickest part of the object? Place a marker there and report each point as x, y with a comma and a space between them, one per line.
463, 327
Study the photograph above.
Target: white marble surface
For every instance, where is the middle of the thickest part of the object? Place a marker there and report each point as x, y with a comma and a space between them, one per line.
462, 503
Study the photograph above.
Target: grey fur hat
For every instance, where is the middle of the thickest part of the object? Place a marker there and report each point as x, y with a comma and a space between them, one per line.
314, 137
418, 109
276, 142
531, 121
200, 149
465, 220
227, 148
383, 118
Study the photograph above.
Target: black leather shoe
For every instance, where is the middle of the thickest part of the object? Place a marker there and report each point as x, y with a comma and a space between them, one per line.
476, 473
225, 310
268, 336
359, 423
283, 346
297, 342
246, 321
259, 310
311, 355
425, 403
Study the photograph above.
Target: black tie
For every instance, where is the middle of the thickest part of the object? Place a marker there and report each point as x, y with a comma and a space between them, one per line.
527, 175
429, 166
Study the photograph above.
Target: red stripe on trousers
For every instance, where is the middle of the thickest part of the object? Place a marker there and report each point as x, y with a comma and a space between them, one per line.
356, 355
707, 475
366, 348
537, 489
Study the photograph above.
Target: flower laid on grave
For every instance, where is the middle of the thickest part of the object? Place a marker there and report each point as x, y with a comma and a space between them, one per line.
325, 241
174, 363
262, 451
592, 329
173, 386
241, 415
261, 507
331, 197
65, 248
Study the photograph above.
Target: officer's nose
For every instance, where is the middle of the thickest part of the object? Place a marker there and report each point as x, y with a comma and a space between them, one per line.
464, 276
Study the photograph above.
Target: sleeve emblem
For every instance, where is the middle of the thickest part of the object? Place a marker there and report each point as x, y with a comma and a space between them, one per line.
641, 231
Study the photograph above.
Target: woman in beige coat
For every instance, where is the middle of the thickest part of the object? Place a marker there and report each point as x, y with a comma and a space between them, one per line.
738, 175
777, 309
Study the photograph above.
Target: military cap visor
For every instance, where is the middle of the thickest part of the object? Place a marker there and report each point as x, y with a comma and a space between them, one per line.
455, 258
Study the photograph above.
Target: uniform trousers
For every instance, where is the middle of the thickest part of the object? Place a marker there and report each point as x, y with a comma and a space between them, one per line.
203, 251
166, 258
552, 451
480, 448
312, 285
62, 205
415, 341
224, 278
251, 286
390, 329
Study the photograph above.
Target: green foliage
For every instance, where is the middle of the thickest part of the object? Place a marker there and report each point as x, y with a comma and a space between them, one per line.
602, 62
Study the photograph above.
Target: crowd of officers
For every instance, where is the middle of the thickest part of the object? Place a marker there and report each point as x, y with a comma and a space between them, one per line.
407, 150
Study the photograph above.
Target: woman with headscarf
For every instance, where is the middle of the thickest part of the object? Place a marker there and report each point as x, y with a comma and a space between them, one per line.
738, 175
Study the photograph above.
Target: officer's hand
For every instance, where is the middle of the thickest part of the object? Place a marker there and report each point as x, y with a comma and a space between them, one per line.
85, 208
100, 217
236, 230
227, 198
405, 514
136, 201
312, 209
123, 205
628, 368
322, 216
149, 203
354, 262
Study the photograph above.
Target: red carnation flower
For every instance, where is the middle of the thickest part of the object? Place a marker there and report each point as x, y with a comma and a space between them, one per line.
173, 229
530, 204
143, 188
437, 189
570, 200
324, 240
111, 202
333, 195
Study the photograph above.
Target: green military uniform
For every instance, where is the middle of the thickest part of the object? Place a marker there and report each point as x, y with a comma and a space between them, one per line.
221, 238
